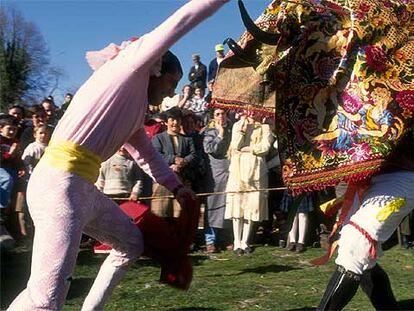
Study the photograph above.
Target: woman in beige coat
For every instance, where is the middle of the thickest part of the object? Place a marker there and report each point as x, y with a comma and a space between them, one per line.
251, 141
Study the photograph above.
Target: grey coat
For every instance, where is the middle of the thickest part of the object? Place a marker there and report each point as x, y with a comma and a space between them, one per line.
217, 174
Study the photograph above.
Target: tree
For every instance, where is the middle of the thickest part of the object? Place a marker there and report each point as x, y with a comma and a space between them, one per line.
25, 70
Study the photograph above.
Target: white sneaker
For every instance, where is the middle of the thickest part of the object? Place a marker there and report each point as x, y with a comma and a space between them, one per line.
6, 240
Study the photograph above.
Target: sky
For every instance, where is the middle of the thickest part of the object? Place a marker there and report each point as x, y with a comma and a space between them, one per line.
71, 28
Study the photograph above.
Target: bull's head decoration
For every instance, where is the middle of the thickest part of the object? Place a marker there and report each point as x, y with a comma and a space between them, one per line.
251, 60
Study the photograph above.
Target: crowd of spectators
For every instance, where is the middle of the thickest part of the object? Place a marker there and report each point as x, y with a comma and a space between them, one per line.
24, 135
209, 149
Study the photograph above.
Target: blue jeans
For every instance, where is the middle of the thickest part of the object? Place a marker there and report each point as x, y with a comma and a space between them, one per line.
210, 235
7, 179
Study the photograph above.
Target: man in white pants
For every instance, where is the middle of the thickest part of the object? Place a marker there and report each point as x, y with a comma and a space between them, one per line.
389, 198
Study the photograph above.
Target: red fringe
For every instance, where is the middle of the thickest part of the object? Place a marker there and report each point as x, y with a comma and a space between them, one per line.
238, 107
311, 181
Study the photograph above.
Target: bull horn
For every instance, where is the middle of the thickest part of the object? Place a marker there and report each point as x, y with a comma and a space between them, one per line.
238, 51
257, 33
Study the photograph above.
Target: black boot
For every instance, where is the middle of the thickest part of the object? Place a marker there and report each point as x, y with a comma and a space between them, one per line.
405, 242
340, 290
376, 284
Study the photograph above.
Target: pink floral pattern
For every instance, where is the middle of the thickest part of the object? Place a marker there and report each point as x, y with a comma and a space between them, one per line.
352, 103
362, 10
360, 152
406, 100
376, 58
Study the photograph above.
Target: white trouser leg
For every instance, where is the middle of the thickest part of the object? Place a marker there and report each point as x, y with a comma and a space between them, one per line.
114, 228
108, 278
303, 226
293, 231
59, 218
247, 229
378, 216
237, 232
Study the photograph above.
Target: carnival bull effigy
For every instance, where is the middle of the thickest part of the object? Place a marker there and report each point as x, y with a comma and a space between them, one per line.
339, 78
342, 78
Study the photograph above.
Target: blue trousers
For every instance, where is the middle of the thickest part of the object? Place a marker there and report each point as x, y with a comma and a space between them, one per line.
7, 181
210, 235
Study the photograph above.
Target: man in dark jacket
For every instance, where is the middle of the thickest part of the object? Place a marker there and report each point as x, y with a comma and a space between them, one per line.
198, 73
179, 153
212, 68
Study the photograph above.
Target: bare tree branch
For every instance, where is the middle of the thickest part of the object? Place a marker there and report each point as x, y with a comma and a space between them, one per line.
26, 74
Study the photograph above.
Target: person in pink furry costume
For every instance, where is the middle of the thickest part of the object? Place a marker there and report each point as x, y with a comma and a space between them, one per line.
108, 111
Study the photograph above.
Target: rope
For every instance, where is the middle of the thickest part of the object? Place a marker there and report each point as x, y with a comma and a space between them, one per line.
204, 194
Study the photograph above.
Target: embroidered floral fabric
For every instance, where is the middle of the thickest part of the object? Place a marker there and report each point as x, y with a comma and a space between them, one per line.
344, 81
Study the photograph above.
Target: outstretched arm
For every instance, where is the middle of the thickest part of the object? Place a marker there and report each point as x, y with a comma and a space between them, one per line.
154, 44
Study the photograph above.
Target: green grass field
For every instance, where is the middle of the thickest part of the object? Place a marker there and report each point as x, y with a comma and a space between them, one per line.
270, 278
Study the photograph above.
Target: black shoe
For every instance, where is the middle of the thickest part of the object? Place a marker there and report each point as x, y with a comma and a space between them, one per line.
248, 250
300, 248
88, 244
6, 240
405, 242
291, 247
239, 252
316, 244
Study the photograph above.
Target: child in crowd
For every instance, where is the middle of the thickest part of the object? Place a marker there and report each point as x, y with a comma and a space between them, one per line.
31, 156
38, 115
10, 168
198, 104
19, 112
120, 177
34, 151
298, 232
185, 97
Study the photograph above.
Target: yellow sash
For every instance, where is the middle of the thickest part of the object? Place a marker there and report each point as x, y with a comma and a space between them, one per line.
72, 158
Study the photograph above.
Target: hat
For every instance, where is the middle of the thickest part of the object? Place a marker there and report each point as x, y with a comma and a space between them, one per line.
219, 47
195, 56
